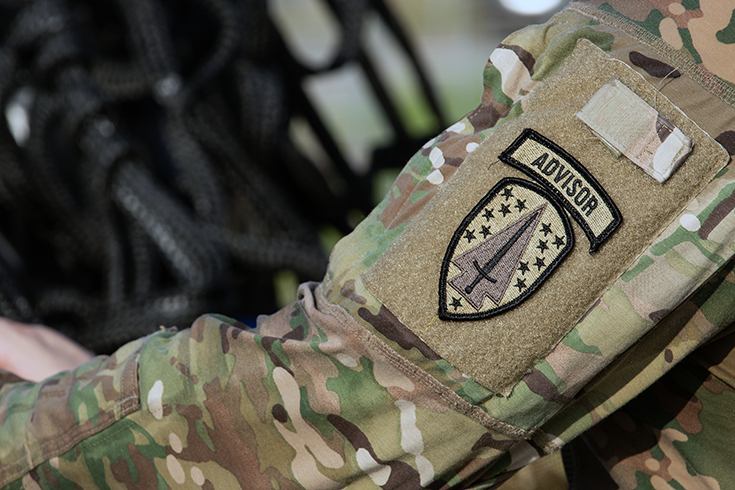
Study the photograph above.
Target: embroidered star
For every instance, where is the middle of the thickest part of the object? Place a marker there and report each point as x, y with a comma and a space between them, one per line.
485, 231
521, 205
520, 284
523, 267
546, 228
469, 235
488, 214
539, 263
507, 193
505, 209
558, 241
543, 245
456, 302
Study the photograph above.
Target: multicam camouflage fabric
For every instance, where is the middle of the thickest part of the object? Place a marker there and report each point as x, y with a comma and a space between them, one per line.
334, 392
664, 146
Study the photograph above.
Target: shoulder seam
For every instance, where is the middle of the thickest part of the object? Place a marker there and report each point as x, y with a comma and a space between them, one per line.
705, 78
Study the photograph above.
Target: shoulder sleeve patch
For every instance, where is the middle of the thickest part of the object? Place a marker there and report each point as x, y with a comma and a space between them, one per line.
502, 251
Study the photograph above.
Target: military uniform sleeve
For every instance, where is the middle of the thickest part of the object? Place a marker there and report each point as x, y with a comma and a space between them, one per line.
533, 269
308, 400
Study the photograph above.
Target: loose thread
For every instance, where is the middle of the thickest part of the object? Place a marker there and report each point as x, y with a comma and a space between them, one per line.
659, 88
430, 323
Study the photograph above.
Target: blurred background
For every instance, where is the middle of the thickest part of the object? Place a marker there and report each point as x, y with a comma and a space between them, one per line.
164, 158
453, 41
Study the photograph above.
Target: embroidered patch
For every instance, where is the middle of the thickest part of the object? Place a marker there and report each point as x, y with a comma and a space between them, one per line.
629, 125
566, 178
509, 243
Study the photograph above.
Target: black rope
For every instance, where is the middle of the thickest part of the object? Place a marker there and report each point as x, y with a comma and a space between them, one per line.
154, 177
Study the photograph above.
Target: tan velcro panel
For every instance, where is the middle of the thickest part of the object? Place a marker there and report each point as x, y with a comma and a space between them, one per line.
497, 351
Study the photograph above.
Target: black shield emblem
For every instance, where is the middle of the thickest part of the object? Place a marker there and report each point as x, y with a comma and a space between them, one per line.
505, 248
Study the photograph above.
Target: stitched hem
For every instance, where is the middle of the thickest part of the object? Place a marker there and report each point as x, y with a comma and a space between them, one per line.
706, 79
414, 372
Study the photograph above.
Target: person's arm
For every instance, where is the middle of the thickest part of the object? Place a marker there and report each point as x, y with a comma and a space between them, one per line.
35, 352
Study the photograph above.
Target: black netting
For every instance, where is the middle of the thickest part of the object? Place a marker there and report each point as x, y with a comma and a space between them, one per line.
155, 178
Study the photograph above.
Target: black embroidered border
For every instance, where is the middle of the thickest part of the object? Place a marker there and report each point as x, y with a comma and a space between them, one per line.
445, 314
531, 134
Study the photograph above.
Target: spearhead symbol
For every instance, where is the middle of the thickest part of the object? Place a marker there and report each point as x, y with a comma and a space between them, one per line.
488, 267
484, 271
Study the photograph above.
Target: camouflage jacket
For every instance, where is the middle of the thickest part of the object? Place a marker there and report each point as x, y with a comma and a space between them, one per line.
548, 267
